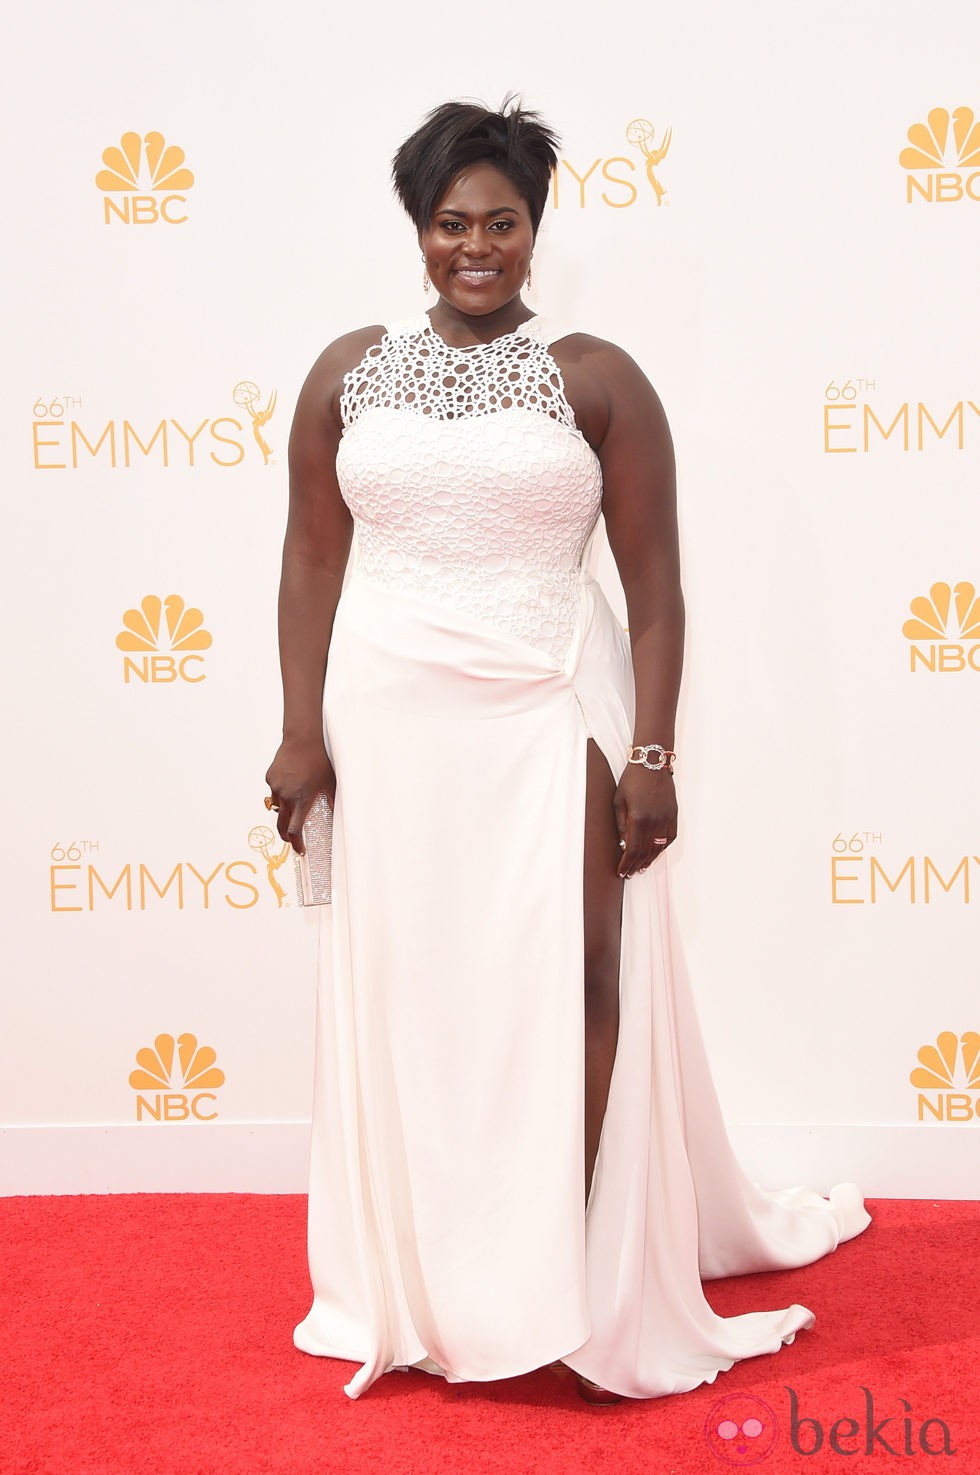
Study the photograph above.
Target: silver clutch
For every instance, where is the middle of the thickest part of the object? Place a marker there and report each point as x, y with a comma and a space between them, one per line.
313, 868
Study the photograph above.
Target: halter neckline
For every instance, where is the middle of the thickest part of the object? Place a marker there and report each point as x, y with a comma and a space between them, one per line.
524, 329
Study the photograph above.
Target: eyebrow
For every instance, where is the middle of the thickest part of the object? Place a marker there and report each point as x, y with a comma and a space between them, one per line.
462, 214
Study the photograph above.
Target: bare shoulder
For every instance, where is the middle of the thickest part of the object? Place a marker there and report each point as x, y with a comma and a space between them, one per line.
323, 385
603, 383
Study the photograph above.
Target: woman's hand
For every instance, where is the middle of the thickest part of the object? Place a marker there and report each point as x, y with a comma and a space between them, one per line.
298, 772
645, 805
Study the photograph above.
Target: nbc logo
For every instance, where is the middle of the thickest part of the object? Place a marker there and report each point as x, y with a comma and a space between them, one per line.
137, 165
185, 634
949, 620
193, 1073
948, 1071
943, 168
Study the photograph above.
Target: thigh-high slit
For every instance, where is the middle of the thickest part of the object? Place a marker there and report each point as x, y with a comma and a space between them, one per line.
446, 1223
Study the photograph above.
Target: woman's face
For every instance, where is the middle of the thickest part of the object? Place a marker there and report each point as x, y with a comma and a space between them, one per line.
478, 245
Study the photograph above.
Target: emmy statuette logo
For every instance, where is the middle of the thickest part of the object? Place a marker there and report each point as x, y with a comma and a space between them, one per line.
266, 842
247, 395
144, 180
642, 135
181, 1077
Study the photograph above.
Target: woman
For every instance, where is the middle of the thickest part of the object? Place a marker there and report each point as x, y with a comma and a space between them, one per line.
498, 1011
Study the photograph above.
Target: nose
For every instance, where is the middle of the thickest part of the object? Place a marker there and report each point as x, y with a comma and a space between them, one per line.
477, 243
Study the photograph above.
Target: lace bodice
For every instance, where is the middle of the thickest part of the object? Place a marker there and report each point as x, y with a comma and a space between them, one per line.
468, 480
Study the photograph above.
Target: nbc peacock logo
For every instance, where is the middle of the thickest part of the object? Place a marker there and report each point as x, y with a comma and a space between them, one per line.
181, 1078
943, 157
144, 180
945, 629
162, 641
948, 1078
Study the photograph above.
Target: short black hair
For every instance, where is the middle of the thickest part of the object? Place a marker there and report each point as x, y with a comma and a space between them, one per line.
517, 142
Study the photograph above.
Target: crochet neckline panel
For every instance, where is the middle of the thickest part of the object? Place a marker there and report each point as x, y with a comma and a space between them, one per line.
413, 369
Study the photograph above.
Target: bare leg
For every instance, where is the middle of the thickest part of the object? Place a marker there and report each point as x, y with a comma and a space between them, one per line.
603, 927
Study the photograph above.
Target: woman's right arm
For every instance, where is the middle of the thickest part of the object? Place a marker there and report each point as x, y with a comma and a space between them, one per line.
314, 557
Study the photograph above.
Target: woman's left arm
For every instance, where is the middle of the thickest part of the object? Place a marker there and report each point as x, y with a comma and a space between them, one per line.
640, 511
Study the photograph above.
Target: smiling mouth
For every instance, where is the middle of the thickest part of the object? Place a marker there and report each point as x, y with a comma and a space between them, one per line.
477, 273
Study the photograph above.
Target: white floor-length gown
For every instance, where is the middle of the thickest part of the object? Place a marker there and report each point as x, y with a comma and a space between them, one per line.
472, 658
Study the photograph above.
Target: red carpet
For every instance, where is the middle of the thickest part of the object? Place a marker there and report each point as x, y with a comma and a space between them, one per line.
152, 1333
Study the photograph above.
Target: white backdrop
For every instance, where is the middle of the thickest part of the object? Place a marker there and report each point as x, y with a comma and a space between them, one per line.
803, 296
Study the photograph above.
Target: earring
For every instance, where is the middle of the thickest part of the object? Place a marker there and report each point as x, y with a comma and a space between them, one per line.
426, 284
527, 282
